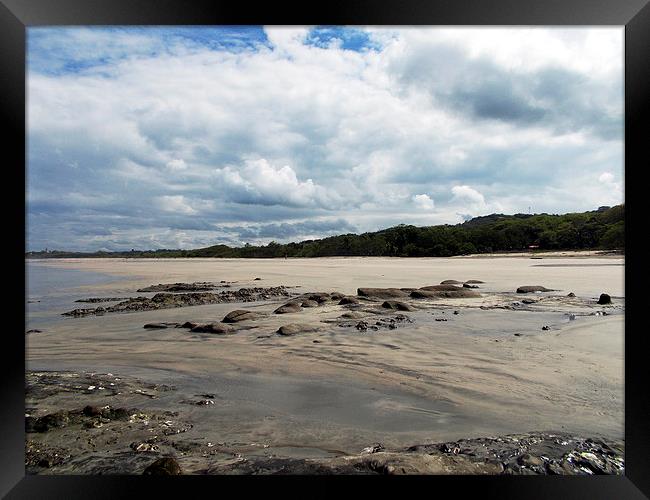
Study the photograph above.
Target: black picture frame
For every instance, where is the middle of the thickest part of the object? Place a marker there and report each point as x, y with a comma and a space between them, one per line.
16, 15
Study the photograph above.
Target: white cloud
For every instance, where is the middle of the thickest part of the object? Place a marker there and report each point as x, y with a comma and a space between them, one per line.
606, 178
175, 204
423, 201
303, 131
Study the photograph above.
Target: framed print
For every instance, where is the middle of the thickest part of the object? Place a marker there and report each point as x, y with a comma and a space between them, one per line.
362, 239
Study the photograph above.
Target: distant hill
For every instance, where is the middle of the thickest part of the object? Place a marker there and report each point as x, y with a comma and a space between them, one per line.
599, 229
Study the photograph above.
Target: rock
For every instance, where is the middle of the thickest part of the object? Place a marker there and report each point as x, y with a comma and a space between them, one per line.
381, 293
450, 282
467, 285
336, 296
179, 287
240, 315
352, 315
362, 326
294, 329
455, 312
571, 294
396, 305
475, 281
156, 326
289, 307
92, 411
309, 303
533, 288
257, 279
447, 287
171, 300
34, 331
319, 297
189, 324
47, 422
348, 300
545, 328
216, 328
166, 466
461, 293
528, 301
604, 299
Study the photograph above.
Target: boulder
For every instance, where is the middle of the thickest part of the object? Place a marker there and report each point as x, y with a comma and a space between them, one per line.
319, 297
604, 299
441, 288
451, 282
240, 315
467, 285
348, 300
533, 288
216, 328
475, 281
289, 307
396, 305
461, 293
571, 294
156, 326
309, 303
352, 315
294, 329
381, 293
166, 466
189, 324
336, 295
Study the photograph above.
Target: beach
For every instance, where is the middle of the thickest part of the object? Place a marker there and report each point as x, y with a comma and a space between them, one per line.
443, 368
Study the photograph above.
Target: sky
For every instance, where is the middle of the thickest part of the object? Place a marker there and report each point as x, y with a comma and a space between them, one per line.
185, 137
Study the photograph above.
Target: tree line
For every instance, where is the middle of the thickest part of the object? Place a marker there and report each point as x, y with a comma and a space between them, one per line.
599, 229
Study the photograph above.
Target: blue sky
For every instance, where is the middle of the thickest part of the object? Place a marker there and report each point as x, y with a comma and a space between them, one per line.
181, 137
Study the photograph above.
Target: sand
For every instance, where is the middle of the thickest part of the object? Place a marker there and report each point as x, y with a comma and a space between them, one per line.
338, 389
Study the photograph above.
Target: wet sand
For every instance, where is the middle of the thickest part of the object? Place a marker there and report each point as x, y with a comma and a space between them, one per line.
488, 370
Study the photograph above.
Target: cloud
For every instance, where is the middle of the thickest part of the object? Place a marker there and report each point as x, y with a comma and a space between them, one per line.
173, 135
423, 201
606, 178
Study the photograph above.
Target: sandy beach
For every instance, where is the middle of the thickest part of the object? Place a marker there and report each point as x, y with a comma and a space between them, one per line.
450, 368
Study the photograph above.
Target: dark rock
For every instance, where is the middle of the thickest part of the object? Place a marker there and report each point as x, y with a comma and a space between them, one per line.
179, 287
92, 411
348, 300
475, 281
461, 293
467, 285
450, 282
289, 307
216, 328
571, 294
604, 299
446, 287
309, 303
93, 300
257, 279
362, 326
172, 300
34, 331
47, 422
294, 329
381, 293
396, 305
154, 326
336, 296
352, 315
319, 297
533, 288
189, 324
166, 466
240, 315
455, 312
546, 328
528, 301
